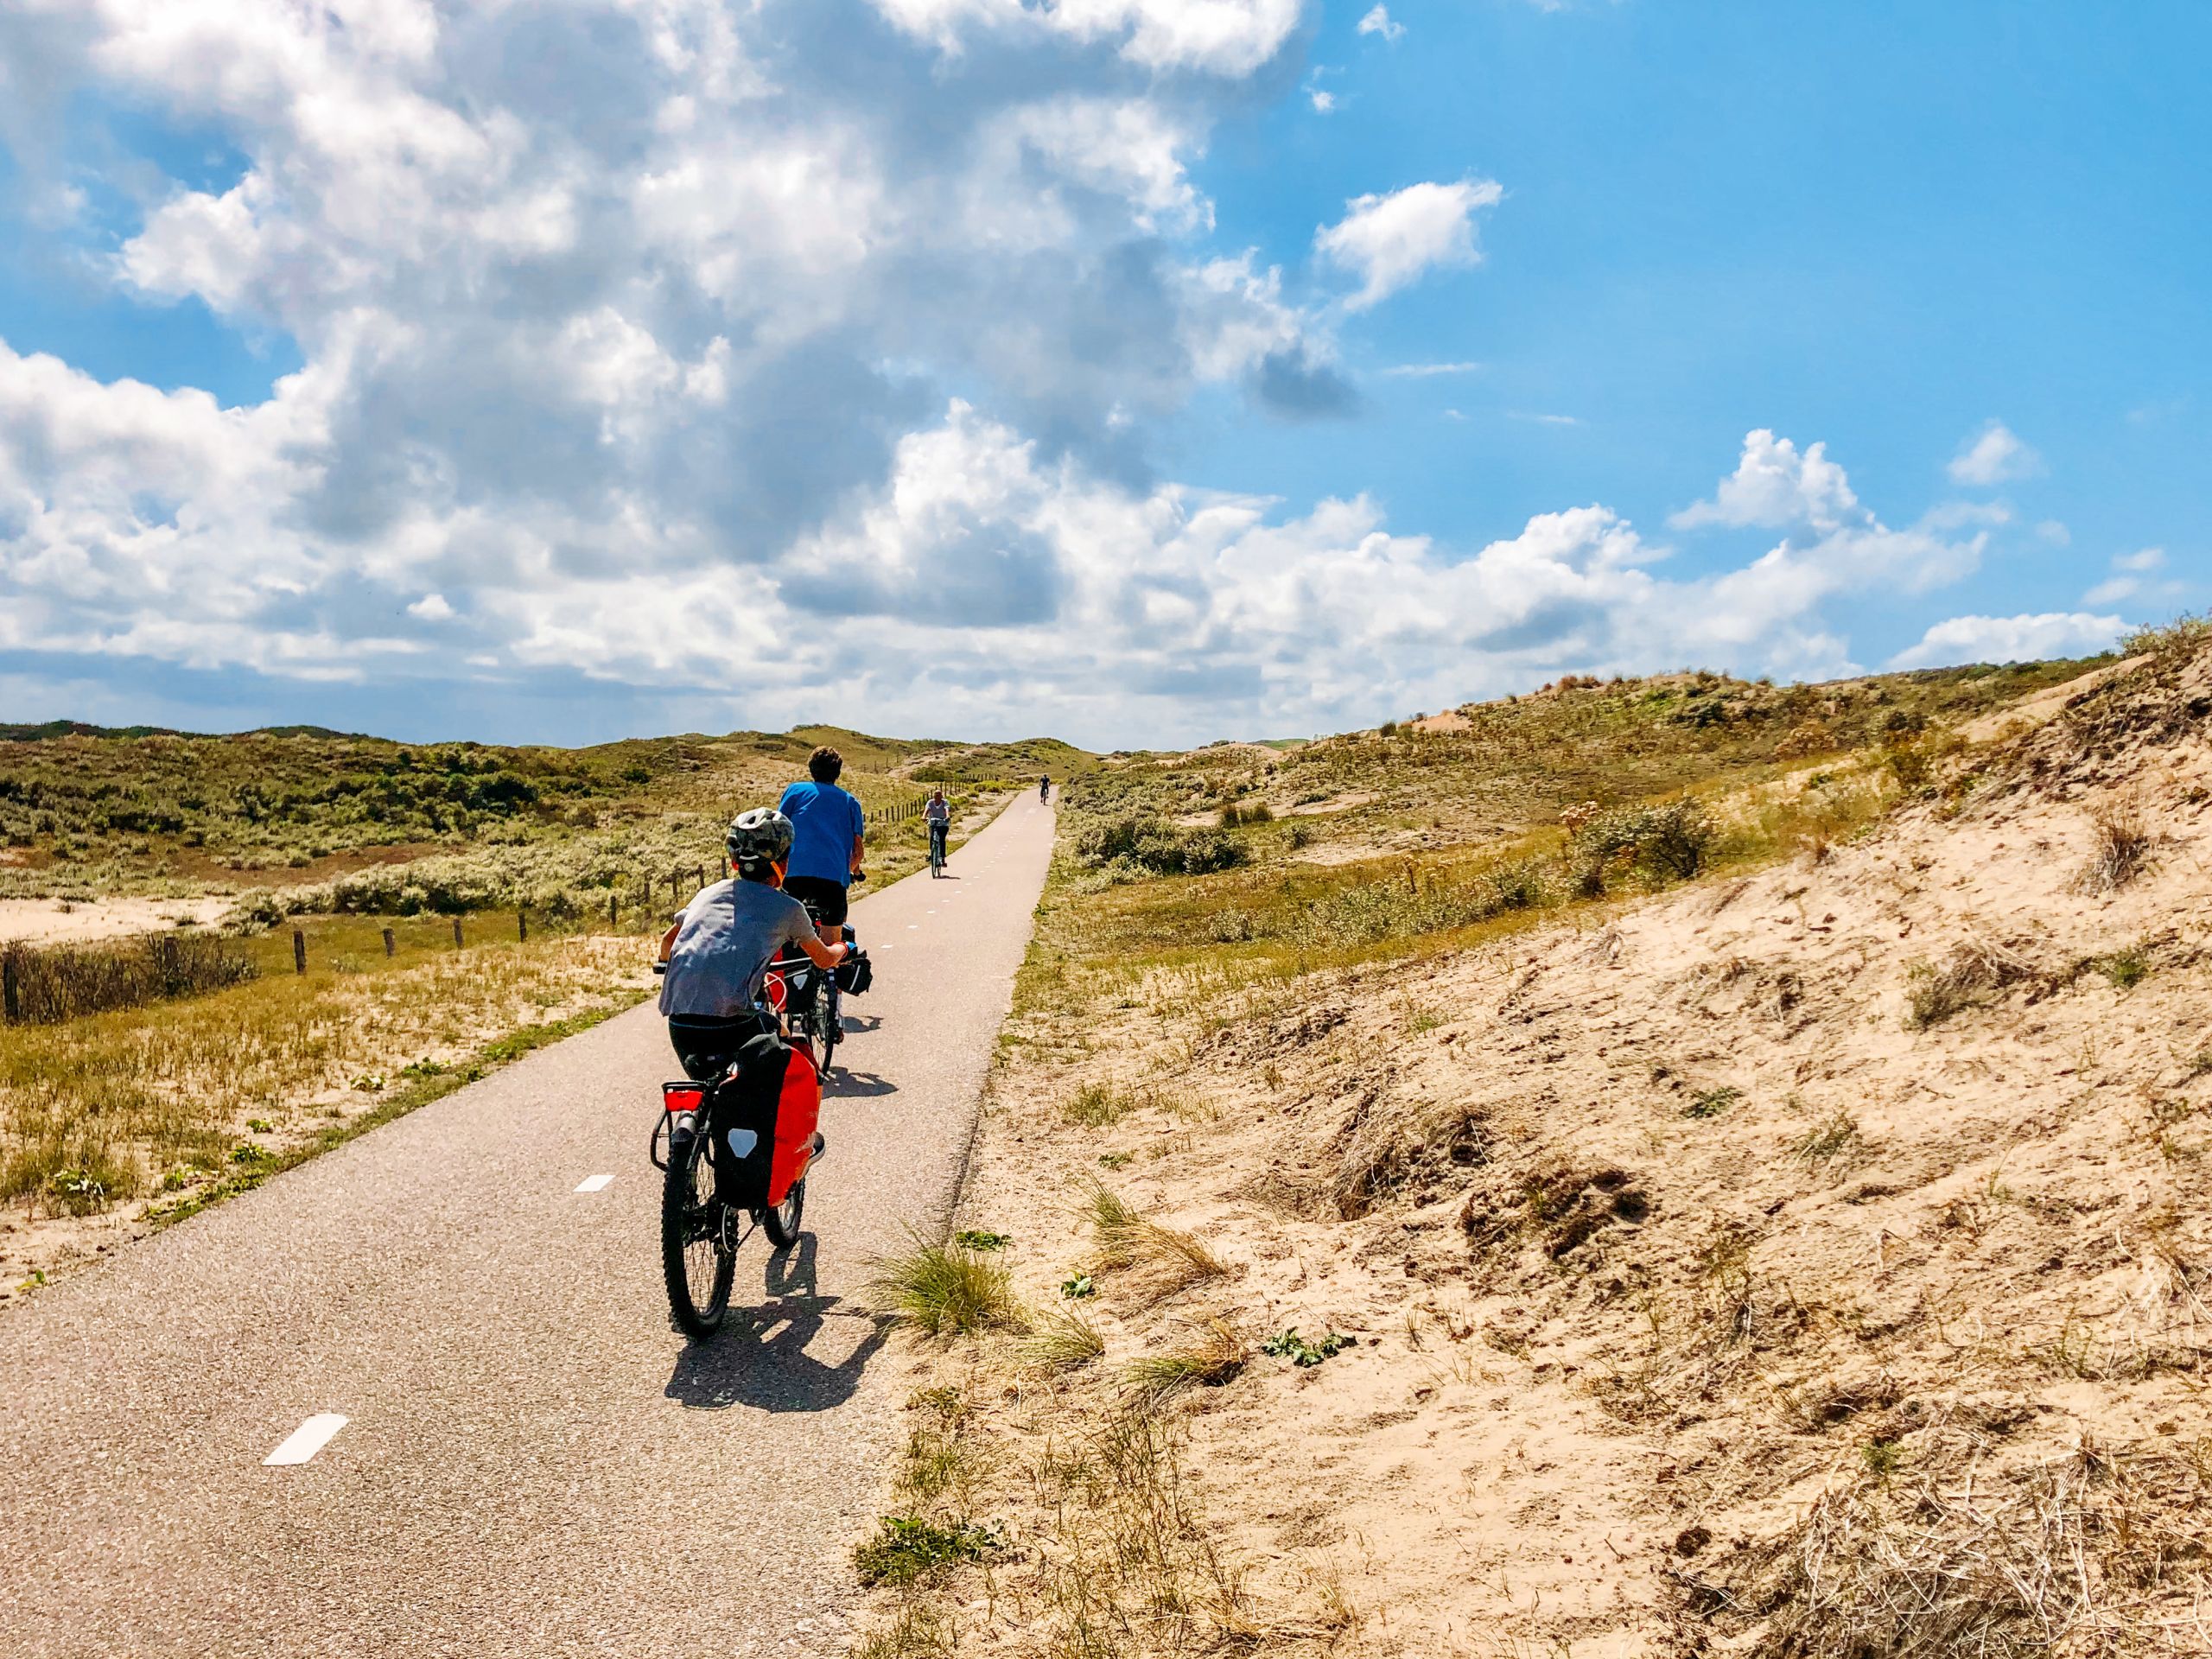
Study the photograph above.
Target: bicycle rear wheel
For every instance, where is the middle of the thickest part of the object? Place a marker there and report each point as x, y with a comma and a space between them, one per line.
698, 1256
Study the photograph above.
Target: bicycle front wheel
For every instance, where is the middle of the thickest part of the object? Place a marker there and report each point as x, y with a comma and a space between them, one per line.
698, 1256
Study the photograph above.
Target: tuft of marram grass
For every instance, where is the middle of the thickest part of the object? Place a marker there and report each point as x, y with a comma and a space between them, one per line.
1159, 1261
944, 1290
1061, 1340
1216, 1356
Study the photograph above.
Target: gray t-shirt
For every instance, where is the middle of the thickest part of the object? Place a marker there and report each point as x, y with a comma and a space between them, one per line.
728, 935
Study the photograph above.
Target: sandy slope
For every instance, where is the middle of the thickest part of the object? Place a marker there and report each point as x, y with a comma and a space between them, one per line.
1707, 1297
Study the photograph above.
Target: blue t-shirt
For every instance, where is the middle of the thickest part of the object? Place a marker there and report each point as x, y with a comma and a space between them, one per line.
825, 822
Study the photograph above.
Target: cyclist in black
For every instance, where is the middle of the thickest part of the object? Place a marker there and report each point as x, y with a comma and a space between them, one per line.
1045, 787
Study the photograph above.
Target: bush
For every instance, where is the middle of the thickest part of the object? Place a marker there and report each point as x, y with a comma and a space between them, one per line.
1661, 843
1142, 842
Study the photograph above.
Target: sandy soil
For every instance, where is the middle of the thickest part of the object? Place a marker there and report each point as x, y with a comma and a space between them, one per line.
1814, 1263
60, 921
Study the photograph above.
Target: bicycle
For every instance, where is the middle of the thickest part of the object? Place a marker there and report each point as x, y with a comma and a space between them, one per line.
770, 1157
937, 850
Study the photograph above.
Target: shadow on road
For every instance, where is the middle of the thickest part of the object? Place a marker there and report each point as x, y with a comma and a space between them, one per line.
741, 1366
853, 1022
845, 1083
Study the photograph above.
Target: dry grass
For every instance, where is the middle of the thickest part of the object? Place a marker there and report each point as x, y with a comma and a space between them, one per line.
163, 1099
1216, 1356
2087, 1554
1061, 1340
1977, 967
2122, 846
1152, 1262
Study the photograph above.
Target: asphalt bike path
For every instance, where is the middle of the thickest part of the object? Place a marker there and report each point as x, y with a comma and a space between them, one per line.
531, 1460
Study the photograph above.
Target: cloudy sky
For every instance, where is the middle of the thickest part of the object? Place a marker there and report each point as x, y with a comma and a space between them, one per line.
1135, 371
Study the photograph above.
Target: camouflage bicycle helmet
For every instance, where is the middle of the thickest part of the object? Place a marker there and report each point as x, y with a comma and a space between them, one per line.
761, 836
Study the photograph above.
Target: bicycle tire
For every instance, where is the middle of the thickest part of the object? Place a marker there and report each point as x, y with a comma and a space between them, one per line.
824, 1020
684, 1214
781, 1223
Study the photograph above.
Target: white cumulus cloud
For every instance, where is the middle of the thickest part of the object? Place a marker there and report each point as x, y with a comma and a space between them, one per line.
1996, 455
2011, 638
1389, 241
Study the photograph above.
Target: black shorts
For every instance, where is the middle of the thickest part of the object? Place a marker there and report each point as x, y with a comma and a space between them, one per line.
825, 898
705, 1045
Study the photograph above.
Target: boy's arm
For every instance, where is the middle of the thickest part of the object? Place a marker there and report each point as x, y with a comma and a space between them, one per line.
860, 839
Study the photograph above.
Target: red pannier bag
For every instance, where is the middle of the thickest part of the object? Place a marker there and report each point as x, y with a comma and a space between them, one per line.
764, 1118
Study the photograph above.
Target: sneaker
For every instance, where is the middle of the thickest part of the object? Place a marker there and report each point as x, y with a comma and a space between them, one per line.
821, 1146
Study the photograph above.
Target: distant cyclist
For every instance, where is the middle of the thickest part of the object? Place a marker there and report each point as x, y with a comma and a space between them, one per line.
1045, 787
938, 813
828, 831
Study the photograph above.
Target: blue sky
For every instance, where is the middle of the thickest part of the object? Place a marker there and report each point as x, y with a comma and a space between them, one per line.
621, 366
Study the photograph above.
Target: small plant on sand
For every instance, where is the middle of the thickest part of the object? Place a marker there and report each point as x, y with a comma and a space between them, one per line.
1215, 1357
1977, 967
1096, 1105
1882, 1459
2126, 969
1831, 1137
1288, 1345
1077, 1288
906, 1550
944, 1290
1712, 1102
973, 1238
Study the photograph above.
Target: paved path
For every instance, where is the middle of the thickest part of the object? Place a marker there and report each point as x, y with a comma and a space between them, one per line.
532, 1461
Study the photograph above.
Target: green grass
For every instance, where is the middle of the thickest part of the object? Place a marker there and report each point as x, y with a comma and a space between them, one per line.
395, 828
945, 1290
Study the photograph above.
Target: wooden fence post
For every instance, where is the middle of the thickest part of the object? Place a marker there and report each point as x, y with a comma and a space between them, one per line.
456, 932
391, 945
299, 951
522, 925
700, 876
11, 988
611, 902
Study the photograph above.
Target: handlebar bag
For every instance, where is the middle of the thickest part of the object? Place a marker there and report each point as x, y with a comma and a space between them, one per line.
764, 1117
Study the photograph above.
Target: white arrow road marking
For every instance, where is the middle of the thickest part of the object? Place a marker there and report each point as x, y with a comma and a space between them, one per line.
593, 1183
303, 1442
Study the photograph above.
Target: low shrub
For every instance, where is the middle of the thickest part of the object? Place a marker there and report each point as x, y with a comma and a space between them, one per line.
1661, 844
1142, 842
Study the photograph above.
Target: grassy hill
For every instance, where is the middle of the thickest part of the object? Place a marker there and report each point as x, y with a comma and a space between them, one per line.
86, 811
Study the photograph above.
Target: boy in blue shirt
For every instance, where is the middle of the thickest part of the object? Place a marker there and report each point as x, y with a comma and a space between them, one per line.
827, 832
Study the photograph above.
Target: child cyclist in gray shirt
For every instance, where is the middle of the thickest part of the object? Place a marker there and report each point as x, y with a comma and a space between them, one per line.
720, 946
